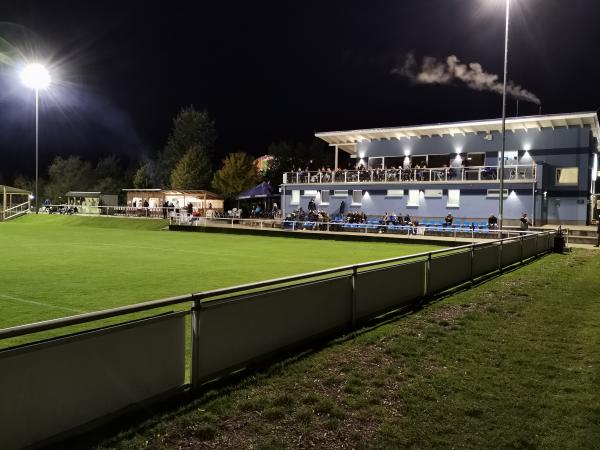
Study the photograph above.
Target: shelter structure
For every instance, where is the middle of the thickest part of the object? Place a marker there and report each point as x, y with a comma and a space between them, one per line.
14, 202
428, 171
155, 198
91, 202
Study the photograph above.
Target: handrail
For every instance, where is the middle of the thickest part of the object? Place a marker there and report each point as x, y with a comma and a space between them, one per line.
21, 330
17, 206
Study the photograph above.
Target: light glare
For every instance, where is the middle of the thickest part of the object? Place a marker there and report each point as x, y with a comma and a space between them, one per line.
35, 76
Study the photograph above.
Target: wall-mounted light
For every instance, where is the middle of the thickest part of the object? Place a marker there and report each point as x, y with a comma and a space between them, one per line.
527, 146
406, 151
458, 150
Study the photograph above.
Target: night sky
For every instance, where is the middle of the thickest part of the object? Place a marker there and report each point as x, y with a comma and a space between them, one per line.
269, 71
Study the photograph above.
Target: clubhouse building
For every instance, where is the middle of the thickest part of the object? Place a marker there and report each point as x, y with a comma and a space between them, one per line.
551, 166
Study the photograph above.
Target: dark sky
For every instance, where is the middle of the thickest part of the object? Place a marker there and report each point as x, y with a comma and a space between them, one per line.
268, 71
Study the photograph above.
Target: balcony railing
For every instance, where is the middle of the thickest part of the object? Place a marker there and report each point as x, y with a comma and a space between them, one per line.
480, 174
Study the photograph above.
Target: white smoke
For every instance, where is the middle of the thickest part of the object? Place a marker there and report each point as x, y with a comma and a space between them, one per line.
452, 71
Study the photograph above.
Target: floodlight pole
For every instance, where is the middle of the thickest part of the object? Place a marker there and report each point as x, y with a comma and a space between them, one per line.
37, 107
501, 171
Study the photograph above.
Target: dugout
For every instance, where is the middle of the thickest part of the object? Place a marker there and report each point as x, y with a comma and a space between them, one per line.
90, 202
200, 199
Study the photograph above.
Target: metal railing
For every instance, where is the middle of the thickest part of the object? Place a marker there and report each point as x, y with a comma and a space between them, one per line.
478, 174
460, 229
117, 211
15, 211
233, 327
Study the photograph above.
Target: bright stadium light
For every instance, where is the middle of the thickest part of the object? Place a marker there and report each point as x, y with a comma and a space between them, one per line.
35, 76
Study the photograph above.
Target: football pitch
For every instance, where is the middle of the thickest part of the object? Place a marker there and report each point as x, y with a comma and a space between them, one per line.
56, 266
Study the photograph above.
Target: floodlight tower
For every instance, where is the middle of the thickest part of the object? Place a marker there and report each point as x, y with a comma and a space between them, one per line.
501, 168
35, 76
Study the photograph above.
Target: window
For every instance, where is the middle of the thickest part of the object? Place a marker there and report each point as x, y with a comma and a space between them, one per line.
495, 193
453, 198
413, 197
375, 163
295, 198
567, 175
395, 193
325, 197
343, 193
310, 193
433, 193
357, 197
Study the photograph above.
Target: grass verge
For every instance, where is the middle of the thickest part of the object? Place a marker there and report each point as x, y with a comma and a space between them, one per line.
512, 363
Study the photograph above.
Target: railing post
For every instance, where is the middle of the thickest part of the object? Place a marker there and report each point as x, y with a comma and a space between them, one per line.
195, 350
500, 255
354, 296
428, 276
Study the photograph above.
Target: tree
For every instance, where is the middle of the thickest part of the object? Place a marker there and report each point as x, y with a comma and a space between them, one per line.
237, 174
193, 170
190, 128
68, 174
145, 176
110, 177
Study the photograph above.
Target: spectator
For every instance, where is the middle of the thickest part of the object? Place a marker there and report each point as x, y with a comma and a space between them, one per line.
190, 209
492, 222
146, 204
311, 205
449, 219
524, 222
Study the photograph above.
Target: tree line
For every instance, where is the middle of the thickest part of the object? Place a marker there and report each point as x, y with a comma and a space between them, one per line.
187, 161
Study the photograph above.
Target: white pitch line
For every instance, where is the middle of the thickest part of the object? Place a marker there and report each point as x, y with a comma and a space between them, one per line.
47, 305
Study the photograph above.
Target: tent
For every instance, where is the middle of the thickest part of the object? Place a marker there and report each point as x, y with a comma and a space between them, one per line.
262, 191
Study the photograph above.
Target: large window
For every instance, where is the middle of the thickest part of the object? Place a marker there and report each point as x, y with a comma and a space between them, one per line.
433, 193
375, 163
395, 193
340, 193
357, 198
413, 197
453, 198
295, 197
325, 197
495, 193
567, 175
310, 193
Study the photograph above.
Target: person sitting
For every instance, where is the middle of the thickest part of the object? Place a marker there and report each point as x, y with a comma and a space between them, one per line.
492, 222
448, 220
406, 219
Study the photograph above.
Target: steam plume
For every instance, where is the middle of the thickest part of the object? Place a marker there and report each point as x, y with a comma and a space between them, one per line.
451, 71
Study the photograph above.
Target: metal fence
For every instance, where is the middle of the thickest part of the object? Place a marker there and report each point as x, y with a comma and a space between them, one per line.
58, 385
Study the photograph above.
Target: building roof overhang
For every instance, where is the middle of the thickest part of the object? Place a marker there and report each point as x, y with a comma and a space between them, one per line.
348, 140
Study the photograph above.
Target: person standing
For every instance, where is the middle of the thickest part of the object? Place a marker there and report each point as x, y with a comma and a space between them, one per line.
597, 230
525, 222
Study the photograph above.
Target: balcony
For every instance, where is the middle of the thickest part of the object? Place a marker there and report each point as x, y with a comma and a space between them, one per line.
442, 175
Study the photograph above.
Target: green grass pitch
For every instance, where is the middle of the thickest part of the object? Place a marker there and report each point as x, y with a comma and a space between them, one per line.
56, 266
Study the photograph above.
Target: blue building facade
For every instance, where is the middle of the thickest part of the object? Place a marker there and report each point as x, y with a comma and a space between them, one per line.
427, 171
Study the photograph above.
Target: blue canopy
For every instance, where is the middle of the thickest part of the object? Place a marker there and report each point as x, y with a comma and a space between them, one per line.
262, 190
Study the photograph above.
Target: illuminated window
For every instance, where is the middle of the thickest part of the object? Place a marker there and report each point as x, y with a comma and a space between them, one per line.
357, 198
567, 175
295, 197
453, 198
343, 193
495, 193
325, 197
413, 197
395, 193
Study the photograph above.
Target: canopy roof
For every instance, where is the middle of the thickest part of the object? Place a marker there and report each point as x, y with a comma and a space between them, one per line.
191, 192
87, 194
264, 189
347, 140
13, 190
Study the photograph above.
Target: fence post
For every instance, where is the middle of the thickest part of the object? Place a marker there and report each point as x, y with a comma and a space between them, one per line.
354, 297
195, 351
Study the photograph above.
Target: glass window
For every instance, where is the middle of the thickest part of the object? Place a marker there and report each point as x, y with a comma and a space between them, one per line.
433, 193
413, 197
393, 162
325, 197
343, 193
295, 197
495, 193
357, 197
567, 175
395, 193
310, 193
453, 198
375, 163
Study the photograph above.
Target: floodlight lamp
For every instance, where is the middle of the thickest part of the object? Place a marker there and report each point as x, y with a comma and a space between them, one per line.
35, 76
